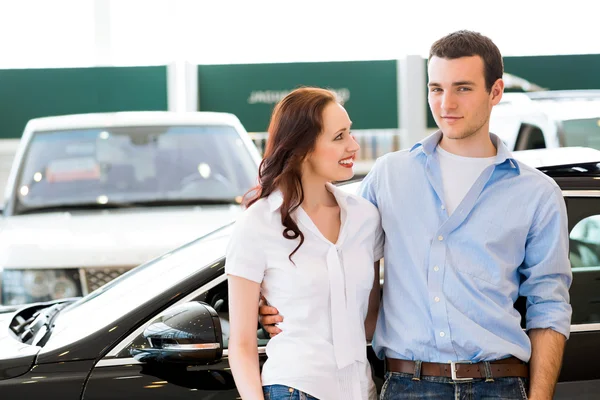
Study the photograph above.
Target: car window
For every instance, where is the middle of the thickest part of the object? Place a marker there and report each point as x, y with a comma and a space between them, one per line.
585, 260
581, 132
217, 298
530, 137
134, 164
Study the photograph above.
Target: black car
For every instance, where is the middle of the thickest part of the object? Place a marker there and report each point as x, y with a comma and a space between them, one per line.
161, 330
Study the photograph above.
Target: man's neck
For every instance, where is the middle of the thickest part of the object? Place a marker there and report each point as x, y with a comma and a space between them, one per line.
477, 146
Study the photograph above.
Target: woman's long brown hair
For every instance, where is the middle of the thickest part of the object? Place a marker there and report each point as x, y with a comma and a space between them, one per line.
296, 122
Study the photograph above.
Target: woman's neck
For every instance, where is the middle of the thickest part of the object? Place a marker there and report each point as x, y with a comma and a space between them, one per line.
316, 195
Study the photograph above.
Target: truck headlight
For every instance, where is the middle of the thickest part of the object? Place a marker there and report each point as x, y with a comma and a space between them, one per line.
21, 286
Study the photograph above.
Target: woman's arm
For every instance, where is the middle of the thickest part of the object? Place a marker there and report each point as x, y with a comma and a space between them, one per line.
373, 309
243, 346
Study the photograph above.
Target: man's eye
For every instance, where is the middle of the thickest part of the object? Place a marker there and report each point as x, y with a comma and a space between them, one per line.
464, 89
433, 90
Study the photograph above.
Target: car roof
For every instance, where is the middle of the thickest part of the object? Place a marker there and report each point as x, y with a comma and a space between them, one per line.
564, 94
573, 168
130, 118
561, 156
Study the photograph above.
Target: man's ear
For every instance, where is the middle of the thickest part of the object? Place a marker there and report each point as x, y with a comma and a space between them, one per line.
497, 91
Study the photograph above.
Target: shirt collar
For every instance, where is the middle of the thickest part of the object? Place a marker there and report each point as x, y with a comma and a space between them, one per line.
503, 154
275, 199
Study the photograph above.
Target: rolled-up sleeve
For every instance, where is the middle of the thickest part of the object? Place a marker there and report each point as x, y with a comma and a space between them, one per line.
546, 268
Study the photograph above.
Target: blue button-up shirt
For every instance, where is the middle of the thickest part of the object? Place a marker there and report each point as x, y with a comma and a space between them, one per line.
451, 281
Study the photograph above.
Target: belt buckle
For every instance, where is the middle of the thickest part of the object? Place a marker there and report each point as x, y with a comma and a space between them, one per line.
453, 370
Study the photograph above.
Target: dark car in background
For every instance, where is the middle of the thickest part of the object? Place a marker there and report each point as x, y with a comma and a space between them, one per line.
161, 330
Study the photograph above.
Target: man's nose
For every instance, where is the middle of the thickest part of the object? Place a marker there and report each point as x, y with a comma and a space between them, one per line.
448, 101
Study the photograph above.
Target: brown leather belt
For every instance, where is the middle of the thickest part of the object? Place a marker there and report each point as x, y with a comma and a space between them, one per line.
508, 367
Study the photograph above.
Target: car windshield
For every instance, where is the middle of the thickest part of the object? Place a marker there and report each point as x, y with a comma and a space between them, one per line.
582, 132
135, 288
111, 166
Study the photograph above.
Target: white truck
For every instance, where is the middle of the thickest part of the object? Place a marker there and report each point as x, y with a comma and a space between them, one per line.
92, 196
548, 119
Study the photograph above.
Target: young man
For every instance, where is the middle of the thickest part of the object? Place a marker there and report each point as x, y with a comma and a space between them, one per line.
468, 230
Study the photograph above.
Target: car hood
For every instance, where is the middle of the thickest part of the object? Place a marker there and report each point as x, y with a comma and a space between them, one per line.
16, 358
123, 237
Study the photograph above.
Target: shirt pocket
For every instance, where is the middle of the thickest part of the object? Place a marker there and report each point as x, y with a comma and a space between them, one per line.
492, 255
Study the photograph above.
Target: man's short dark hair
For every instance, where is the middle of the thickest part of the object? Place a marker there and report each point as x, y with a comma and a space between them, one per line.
466, 44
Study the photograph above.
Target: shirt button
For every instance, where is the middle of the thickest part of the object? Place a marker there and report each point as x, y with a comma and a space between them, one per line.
442, 334
440, 238
437, 299
436, 268
443, 207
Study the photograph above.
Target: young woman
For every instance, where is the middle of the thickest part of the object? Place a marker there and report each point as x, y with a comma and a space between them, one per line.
310, 249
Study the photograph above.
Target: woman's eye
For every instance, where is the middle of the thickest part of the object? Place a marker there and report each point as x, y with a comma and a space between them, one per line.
339, 137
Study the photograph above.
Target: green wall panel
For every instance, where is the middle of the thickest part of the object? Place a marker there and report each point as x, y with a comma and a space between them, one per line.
31, 93
557, 72
250, 91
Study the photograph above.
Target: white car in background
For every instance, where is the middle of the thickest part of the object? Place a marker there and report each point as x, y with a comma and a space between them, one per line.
548, 119
91, 196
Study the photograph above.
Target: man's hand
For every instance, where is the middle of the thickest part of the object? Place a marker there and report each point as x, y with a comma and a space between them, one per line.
268, 316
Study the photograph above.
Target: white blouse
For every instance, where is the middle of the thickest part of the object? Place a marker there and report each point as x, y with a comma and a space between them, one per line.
323, 298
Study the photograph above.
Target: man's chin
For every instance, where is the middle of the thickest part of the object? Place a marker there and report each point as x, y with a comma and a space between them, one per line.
455, 134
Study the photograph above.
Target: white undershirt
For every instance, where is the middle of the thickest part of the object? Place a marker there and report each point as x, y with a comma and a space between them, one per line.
458, 175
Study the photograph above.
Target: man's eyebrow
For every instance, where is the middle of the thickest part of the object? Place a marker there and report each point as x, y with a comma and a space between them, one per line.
459, 83
463, 83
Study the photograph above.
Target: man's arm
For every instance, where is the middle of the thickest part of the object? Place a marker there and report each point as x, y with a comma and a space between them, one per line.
547, 277
374, 300
547, 347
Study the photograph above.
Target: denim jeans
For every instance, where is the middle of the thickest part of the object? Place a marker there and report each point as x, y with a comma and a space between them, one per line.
281, 392
401, 386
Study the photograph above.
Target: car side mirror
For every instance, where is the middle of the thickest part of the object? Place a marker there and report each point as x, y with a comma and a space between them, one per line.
188, 333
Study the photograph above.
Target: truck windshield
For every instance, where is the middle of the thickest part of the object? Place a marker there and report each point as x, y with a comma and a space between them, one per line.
134, 164
581, 132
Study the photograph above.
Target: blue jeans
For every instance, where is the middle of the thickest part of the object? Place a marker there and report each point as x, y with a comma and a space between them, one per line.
401, 386
281, 392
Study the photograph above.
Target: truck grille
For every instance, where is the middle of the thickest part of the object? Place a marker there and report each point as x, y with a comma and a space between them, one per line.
93, 278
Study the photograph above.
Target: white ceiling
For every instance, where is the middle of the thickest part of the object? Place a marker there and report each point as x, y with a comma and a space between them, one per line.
42, 33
